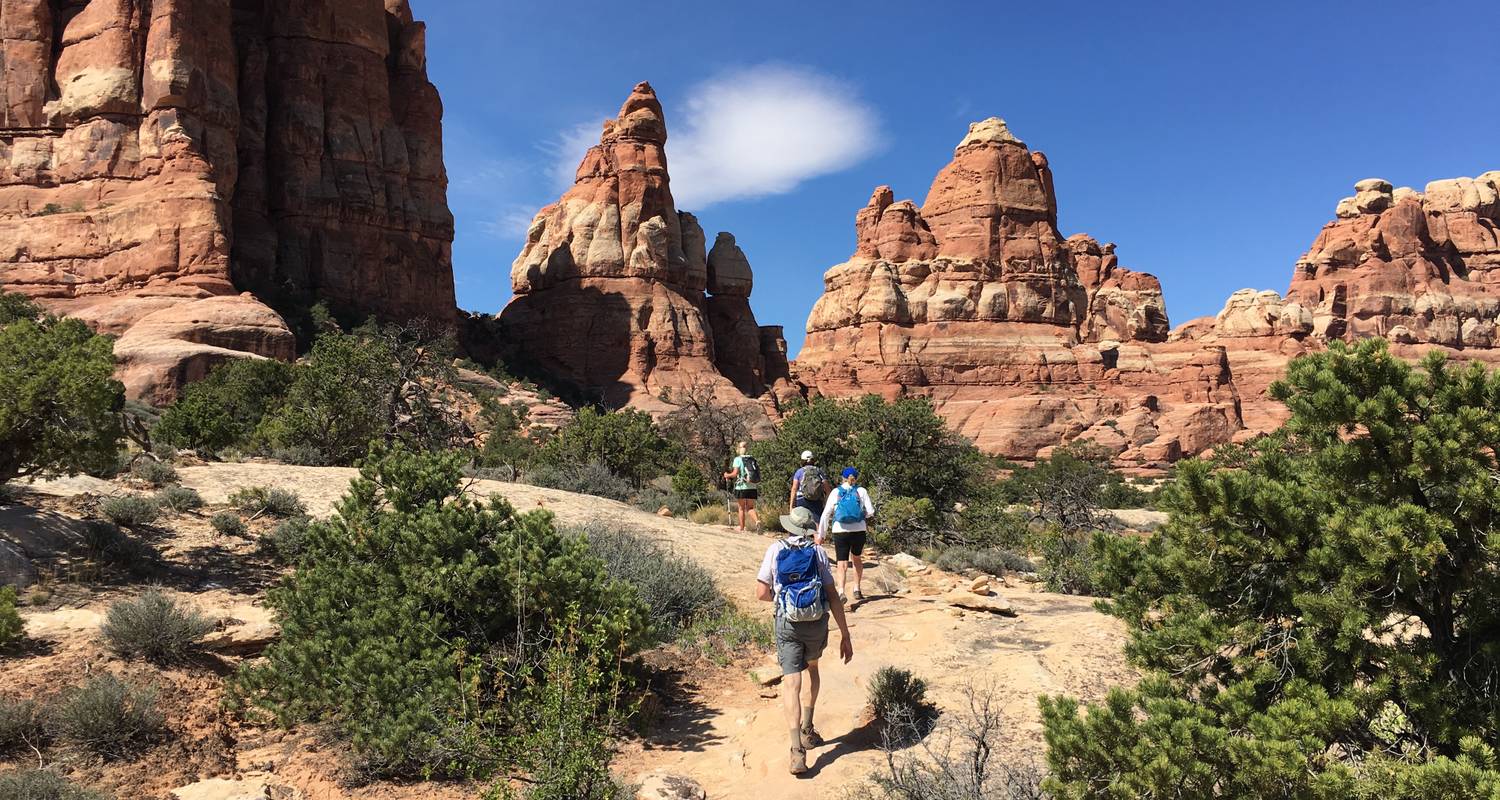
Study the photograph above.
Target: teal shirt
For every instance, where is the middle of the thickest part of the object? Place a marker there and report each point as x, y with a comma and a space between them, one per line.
739, 475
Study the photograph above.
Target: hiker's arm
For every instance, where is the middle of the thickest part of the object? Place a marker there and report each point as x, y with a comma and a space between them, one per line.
864, 497
823, 520
791, 501
762, 592
836, 605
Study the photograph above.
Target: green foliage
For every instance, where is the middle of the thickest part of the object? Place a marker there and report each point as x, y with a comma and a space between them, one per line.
907, 524
130, 510
378, 383
288, 540
11, 626
107, 544
1066, 489
989, 560
1071, 561
626, 442
689, 483
506, 445
178, 499
59, 401
725, 637
154, 627
674, 588
898, 698
156, 473
22, 724
107, 717
904, 444
15, 307
415, 612
651, 500
41, 784
228, 523
1318, 618
593, 477
711, 514
259, 501
706, 428
225, 408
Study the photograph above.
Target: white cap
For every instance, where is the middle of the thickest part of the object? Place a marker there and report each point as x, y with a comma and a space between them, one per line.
806, 455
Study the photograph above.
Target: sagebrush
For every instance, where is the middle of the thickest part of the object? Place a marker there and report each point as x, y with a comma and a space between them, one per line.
154, 627
107, 717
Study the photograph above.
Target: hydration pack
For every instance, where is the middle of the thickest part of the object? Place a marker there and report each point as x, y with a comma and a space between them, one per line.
813, 484
800, 598
750, 470
849, 508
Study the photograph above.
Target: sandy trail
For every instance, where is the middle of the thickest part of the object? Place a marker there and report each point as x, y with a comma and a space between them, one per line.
729, 737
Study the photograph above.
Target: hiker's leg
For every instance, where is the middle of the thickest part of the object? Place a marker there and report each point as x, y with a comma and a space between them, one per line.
813, 683
791, 703
741, 503
859, 573
843, 577
754, 516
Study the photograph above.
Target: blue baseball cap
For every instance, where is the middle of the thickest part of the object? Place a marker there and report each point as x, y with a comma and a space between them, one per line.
850, 472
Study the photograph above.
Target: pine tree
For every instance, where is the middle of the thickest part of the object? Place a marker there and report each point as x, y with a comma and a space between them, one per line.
1319, 617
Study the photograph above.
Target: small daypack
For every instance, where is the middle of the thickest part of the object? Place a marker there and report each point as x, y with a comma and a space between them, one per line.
849, 508
750, 468
813, 485
800, 598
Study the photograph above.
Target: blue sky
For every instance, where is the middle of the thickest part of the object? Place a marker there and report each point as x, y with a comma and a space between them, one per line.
1210, 141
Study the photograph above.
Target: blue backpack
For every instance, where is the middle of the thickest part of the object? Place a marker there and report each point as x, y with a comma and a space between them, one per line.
849, 508
800, 598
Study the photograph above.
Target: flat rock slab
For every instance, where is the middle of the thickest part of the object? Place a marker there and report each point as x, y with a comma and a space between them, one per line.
226, 789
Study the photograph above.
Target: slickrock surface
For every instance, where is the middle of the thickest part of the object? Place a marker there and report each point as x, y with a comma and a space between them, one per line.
159, 158
1021, 338
610, 285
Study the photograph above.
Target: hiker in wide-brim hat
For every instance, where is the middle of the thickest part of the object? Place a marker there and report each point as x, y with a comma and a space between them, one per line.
796, 578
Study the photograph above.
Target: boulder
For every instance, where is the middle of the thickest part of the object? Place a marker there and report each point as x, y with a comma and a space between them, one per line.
969, 601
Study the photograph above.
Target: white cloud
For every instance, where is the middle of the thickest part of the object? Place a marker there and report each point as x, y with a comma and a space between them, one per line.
747, 133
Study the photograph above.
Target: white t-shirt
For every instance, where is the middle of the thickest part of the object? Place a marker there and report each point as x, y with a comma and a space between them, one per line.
845, 527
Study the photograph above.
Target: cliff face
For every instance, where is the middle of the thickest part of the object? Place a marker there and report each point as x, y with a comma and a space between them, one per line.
160, 157
1421, 269
1022, 339
610, 285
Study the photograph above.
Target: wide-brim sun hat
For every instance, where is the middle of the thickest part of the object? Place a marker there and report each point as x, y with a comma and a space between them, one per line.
800, 521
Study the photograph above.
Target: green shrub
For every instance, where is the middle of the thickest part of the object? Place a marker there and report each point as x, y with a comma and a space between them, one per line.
1315, 620
21, 724
288, 540
130, 510
592, 478
156, 473
898, 698
989, 560
11, 626
725, 637
907, 524
107, 544
224, 408
107, 717
674, 588
300, 456
41, 784
904, 443
1071, 561
59, 401
769, 512
689, 483
228, 523
154, 627
179, 499
627, 443
258, 501
414, 614
713, 514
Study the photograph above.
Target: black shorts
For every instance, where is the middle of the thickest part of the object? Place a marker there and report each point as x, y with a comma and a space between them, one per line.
746, 494
849, 544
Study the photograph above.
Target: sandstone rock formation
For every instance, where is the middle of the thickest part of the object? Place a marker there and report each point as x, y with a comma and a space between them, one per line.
610, 285
1021, 338
157, 159
1421, 269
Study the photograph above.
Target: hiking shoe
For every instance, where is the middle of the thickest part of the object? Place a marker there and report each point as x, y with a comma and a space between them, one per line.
859, 597
811, 738
799, 761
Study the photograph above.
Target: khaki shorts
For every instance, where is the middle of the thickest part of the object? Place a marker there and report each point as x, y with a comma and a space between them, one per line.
799, 642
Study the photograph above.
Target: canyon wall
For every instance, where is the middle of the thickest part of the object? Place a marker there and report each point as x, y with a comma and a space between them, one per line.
170, 169
616, 294
1022, 339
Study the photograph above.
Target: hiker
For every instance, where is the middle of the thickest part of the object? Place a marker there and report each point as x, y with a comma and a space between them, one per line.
795, 577
810, 486
746, 476
849, 509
